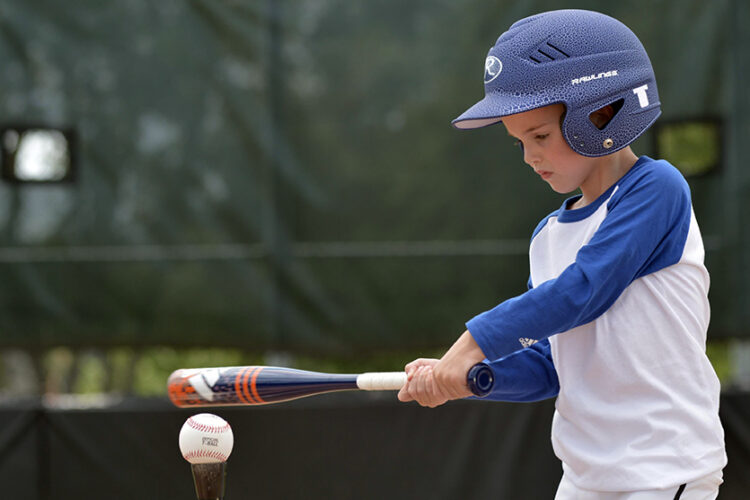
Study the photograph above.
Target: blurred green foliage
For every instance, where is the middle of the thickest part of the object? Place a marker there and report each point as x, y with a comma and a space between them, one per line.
718, 353
692, 146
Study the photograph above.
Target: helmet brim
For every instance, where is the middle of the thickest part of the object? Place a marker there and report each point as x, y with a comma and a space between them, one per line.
494, 107
482, 114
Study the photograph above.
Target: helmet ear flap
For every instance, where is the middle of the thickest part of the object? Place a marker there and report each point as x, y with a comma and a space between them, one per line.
604, 115
611, 125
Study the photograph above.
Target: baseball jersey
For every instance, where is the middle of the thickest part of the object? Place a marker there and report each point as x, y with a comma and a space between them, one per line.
614, 323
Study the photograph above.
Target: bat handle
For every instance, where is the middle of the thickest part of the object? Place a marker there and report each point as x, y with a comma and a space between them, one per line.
480, 379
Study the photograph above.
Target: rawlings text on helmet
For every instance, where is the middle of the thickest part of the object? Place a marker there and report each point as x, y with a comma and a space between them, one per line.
604, 74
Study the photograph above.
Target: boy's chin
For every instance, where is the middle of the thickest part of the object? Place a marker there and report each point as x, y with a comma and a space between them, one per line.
562, 189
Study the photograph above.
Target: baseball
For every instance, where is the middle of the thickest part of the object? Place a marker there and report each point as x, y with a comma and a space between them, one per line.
206, 438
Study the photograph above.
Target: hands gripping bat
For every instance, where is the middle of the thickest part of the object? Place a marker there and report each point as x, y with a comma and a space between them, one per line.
257, 385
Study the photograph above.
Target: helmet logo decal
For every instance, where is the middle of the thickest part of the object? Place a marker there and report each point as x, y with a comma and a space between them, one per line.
642, 96
492, 68
588, 78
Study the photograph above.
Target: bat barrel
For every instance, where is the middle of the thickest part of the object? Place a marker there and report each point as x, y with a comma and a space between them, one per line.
250, 385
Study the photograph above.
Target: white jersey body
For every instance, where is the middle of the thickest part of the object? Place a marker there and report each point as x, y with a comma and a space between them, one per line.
638, 395
618, 310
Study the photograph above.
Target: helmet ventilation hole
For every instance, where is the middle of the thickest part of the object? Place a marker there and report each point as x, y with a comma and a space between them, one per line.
557, 49
547, 53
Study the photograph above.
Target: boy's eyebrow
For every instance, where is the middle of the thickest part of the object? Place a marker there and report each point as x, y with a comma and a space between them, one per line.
535, 127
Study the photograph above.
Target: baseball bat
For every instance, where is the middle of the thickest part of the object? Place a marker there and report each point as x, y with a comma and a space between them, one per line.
257, 385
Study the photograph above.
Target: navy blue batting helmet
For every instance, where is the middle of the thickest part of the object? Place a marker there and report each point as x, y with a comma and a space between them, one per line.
583, 59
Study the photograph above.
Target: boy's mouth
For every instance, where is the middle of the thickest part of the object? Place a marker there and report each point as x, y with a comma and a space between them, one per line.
544, 174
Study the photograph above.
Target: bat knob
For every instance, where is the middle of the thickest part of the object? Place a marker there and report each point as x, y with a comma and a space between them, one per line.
480, 379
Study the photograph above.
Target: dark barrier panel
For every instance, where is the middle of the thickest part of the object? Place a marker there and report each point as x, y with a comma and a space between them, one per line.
735, 414
338, 446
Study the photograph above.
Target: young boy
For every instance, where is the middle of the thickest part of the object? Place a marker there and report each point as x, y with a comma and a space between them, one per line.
614, 322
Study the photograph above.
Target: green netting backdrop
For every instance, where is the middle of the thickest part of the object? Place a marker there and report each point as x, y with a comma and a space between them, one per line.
282, 174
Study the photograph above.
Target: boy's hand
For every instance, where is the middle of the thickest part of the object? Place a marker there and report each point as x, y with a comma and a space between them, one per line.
432, 382
410, 392
421, 387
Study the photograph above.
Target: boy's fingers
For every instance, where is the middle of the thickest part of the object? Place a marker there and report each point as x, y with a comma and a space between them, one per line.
427, 390
413, 389
411, 367
404, 396
421, 387
419, 362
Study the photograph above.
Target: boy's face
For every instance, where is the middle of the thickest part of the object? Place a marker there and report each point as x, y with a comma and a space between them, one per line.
545, 149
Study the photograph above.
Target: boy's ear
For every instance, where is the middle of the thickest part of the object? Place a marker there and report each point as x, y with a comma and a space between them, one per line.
602, 116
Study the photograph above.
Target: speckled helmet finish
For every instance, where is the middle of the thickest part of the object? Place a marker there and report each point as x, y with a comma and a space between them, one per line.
583, 59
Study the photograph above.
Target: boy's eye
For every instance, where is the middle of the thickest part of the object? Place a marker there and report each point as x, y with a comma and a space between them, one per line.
540, 137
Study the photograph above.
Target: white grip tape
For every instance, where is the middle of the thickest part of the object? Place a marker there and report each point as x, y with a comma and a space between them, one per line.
382, 381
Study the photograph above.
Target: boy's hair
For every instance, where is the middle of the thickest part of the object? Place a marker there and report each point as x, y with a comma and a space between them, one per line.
583, 59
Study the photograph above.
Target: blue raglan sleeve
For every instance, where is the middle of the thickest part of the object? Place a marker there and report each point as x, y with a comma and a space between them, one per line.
645, 230
526, 375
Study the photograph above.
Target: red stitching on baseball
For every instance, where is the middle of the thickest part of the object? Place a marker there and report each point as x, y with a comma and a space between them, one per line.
204, 453
207, 428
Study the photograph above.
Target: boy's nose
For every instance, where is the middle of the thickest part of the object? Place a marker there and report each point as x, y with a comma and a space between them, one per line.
531, 160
